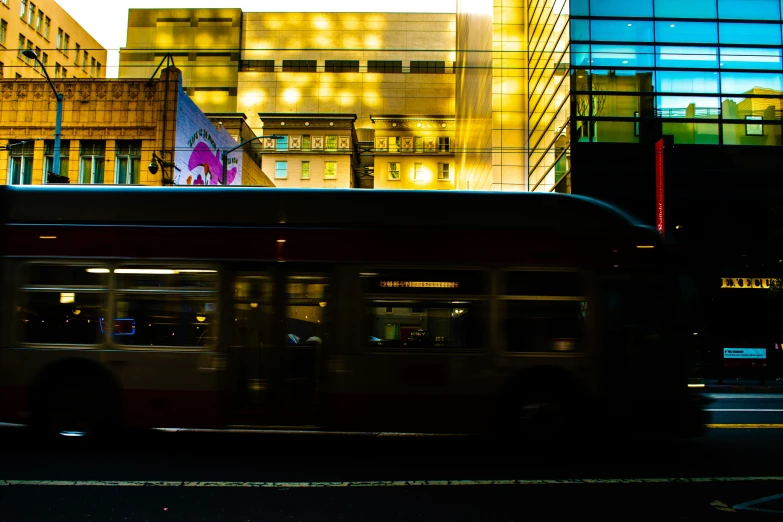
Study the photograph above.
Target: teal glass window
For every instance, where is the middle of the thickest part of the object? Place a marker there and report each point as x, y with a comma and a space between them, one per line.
688, 107
749, 9
685, 9
742, 82
621, 8
580, 55
686, 32
682, 57
580, 8
686, 82
580, 29
621, 31
753, 58
638, 56
749, 34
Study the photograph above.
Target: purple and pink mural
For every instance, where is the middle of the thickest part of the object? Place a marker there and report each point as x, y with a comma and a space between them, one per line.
198, 146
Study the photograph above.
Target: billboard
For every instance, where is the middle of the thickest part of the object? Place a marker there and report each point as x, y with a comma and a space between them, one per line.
197, 148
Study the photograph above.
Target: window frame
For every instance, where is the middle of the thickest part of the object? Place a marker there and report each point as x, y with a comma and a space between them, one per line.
327, 169
279, 170
94, 159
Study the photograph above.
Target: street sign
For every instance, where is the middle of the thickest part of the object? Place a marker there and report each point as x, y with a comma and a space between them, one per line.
744, 353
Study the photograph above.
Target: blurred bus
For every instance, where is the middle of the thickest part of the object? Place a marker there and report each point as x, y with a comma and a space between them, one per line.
182, 307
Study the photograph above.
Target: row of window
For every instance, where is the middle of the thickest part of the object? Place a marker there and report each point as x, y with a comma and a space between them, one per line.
329, 172
35, 18
373, 66
726, 9
672, 31
176, 306
413, 143
81, 56
91, 161
419, 172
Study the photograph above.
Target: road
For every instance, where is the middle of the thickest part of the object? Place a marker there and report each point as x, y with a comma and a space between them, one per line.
195, 476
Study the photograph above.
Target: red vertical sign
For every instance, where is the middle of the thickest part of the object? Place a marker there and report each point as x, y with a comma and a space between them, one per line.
659, 217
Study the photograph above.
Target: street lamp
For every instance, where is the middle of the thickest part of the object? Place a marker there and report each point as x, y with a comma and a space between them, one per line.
224, 154
29, 53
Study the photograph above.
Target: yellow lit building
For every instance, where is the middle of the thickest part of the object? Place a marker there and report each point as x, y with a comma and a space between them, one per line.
63, 46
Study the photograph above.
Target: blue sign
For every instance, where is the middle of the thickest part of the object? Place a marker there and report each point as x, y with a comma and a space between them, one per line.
744, 353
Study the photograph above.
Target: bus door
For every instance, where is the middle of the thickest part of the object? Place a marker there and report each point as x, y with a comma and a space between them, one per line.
280, 332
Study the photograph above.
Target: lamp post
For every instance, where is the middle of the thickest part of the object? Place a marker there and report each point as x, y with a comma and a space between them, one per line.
224, 154
29, 53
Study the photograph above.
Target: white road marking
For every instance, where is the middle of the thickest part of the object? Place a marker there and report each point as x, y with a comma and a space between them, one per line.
382, 483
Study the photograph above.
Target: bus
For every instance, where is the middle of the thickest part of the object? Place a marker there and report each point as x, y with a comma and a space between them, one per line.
336, 310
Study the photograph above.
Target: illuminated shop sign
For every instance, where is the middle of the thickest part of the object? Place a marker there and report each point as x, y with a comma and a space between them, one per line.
419, 284
745, 282
744, 353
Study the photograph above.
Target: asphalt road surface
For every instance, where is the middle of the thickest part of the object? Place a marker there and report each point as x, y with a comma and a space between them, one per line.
734, 473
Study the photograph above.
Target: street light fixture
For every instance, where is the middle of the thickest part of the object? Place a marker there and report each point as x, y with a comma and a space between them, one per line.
29, 53
224, 154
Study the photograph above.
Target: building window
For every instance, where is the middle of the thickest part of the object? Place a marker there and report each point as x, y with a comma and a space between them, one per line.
281, 169
65, 72
65, 150
59, 38
35, 64
21, 162
384, 66
23, 10
428, 67
128, 162
2, 72
281, 143
92, 158
39, 21
418, 172
92, 66
57, 70
77, 53
98, 69
257, 66
394, 144
3, 31
444, 171
341, 66
66, 43
31, 14
22, 41
47, 26
299, 65
45, 59
306, 142
444, 144
305, 170
331, 143
419, 143
330, 170
86, 56
394, 170
29, 48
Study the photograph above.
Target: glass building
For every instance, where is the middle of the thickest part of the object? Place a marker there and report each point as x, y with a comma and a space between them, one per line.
619, 71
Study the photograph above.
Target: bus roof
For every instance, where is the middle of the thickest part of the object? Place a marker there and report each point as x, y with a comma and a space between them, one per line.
259, 206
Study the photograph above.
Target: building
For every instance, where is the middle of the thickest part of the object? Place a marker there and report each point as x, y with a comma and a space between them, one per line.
140, 131
63, 46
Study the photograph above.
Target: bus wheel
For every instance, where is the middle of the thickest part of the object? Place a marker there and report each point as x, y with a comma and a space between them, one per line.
541, 416
74, 406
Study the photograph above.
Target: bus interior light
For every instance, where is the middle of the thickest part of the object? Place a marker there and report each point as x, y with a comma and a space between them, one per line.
47, 237
67, 297
645, 246
149, 271
98, 271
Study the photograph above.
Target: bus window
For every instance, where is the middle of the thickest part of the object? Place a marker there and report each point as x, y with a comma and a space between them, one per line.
306, 319
167, 306
61, 304
546, 326
545, 311
424, 324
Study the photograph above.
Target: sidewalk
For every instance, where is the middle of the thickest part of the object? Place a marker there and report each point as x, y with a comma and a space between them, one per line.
736, 386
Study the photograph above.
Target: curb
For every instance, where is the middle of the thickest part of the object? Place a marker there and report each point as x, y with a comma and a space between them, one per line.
728, 388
